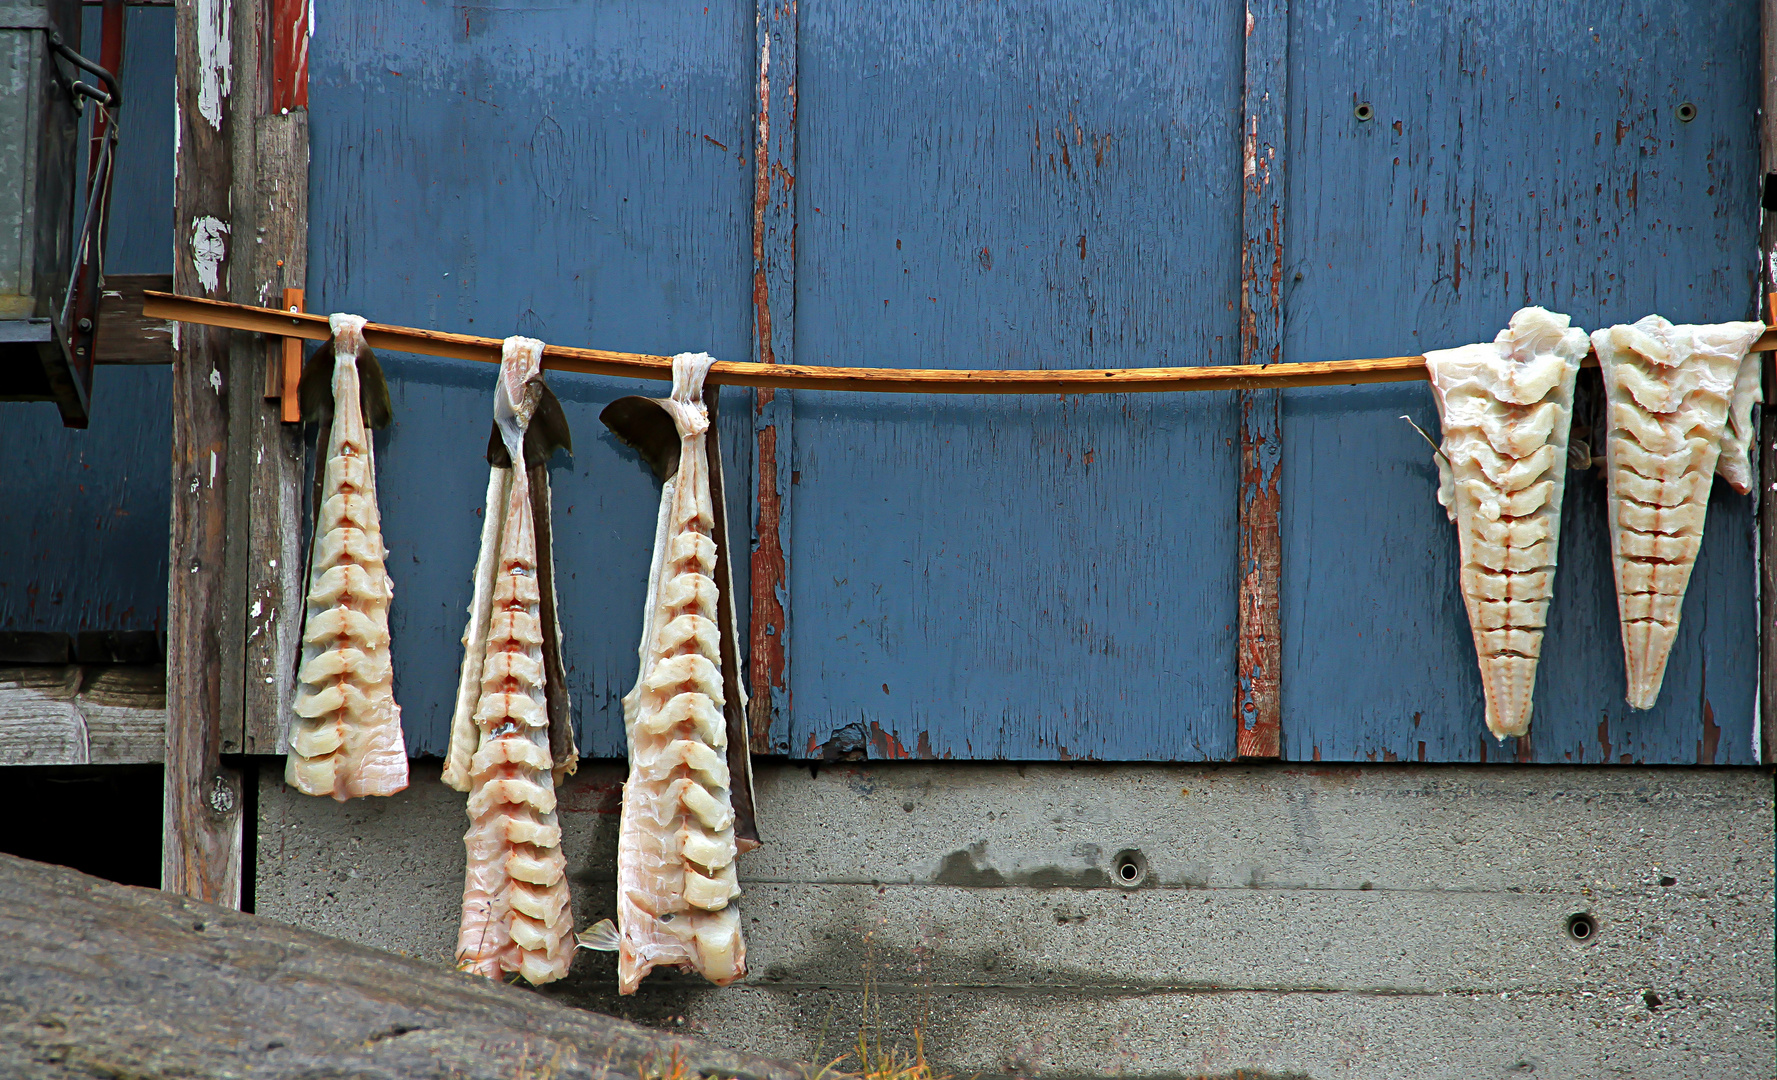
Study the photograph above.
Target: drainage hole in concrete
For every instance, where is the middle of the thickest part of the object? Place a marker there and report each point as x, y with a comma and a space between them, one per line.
1581, 927
1130, 868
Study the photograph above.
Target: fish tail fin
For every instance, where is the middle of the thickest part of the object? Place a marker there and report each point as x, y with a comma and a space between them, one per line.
601, 936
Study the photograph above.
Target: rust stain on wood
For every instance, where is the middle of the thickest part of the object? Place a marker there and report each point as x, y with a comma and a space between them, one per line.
773, 236
1258, 704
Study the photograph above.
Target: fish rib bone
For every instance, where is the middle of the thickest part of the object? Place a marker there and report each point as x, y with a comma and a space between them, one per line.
345, 737
1678, 398
1505, 407
517, 915
675, 853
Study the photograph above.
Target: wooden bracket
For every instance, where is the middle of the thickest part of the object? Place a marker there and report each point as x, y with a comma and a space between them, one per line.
283, 366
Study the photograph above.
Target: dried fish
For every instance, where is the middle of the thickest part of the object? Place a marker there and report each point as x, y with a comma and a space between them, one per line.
345, 738
1679, 411
509, 737
1735, 463
1502, 467
677, 844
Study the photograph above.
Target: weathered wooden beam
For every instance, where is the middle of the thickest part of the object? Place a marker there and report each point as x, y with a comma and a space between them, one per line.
774, 341
110, 980
75, 715
275, 468
126, 336
1258, 694
201, 842
1767, 461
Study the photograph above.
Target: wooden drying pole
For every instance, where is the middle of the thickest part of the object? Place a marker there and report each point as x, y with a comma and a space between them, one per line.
194, 310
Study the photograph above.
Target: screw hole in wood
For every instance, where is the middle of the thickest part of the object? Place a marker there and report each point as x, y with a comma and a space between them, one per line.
1687, 112
1363, 111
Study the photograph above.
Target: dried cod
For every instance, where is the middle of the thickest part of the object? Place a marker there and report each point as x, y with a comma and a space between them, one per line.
510, 735
1506, 407
685, 716
345, 737
1679, 401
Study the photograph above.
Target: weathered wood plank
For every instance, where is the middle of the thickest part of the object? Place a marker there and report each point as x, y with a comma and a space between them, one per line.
654, 174
275, 496
1028, 187
1408, 228
126, 336
82, 716
201, 847
774, 341
138, 983
1258, 700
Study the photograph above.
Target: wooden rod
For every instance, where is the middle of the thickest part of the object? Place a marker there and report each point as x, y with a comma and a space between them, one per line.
190, 309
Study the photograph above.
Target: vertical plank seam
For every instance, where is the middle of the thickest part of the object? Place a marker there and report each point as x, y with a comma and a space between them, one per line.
774, 308
1258, 690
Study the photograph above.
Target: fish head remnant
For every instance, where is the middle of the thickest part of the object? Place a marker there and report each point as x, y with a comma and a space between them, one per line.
1506, 408
1678, 405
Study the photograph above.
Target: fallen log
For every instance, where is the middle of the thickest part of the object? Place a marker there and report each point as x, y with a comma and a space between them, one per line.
105, 980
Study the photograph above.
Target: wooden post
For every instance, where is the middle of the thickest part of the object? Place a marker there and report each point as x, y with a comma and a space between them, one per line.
1767, 482
774, 324
201, 842
1258, 694
277, 192
242, 178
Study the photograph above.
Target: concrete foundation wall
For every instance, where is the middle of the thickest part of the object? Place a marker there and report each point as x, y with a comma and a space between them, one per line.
1386, 921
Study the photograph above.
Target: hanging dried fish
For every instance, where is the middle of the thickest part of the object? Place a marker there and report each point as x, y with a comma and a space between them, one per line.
685, 717
510, 735
345, 738
1506, 407
1680, 400
1735, 463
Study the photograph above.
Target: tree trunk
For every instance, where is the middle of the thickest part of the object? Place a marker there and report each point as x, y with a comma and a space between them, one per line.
105, 980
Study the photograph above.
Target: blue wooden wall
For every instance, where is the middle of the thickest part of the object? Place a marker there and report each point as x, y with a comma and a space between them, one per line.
1519, 154
83, 536
577, 174
1049, 185
1003, 185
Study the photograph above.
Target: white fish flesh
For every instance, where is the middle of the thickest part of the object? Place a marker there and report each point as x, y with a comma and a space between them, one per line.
1677, 398
345, 737
517, 915
1735, 463
676, 844
1506, 408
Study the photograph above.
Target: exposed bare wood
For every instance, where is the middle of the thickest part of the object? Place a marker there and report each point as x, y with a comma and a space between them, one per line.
201, 841
274, 571
75, 715
126, 336
110, 980
774, 341
191, 309
1258, 690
